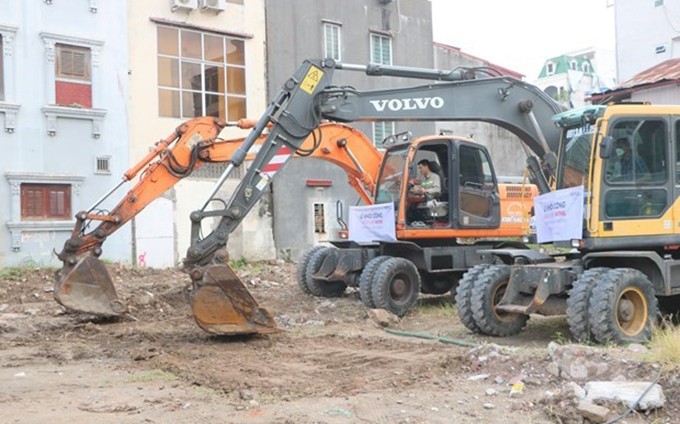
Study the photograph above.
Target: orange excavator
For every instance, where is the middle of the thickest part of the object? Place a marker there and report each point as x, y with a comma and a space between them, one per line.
222, 305
292, 125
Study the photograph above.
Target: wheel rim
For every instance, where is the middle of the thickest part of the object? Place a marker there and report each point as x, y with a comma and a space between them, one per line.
496, 296
399, 289
631, 311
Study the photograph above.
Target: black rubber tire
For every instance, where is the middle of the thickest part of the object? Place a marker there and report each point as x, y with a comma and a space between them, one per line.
396, 286
463, 294
486, 293
437, 284
322, 288
301, 269
366, 280
623, 308
578, 301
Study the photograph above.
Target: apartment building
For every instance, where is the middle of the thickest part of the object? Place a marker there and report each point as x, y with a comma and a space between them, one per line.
63, 122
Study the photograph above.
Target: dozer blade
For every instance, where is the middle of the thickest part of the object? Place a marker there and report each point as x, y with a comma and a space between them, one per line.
87, 288
222, 305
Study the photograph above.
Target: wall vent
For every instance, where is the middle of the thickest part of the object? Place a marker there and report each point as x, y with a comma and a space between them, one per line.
319, 218
102, 165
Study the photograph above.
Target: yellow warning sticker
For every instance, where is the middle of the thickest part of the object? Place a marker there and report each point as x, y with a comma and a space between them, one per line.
311, 80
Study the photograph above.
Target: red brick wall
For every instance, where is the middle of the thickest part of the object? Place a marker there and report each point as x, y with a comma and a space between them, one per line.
68, 93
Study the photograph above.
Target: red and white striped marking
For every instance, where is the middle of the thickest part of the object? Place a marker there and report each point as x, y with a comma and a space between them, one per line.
277, 161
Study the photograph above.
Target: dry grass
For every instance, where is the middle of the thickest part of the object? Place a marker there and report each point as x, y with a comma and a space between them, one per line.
664, 347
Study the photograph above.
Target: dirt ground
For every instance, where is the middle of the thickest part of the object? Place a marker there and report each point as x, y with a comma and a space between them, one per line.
330, 364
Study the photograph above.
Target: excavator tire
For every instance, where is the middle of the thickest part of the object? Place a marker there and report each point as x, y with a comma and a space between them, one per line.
486, 294
623, 308
301, 270
221, 304
87, 287
578, 302
462, 296
322, 288
396, 286
366, 280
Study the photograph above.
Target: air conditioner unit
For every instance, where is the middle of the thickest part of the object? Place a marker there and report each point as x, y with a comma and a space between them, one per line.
183, 4
213, 5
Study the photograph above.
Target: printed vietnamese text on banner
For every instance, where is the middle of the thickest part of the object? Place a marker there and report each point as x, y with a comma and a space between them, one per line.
559, 215
372, 223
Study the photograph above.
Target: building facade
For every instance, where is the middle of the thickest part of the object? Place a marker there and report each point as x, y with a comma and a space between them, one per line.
63, 122
646, 34
361, 31
191, 58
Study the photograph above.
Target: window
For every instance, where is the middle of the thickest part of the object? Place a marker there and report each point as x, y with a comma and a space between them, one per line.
585, 67
572, 65
2, 72
319, 218
200, 74
331, 35
73, 84
636, 173
382, 130
381, 49
476, 183
549, 68
45, 201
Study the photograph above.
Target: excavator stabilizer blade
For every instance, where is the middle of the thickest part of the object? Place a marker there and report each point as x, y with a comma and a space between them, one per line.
87, 288
222, 305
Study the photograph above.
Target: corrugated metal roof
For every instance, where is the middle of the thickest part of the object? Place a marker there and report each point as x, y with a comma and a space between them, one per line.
668, 70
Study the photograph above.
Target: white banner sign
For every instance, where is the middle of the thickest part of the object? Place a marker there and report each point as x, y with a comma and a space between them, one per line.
559, 215
372, 223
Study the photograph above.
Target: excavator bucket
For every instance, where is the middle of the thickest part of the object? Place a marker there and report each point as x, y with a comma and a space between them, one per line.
87, 287
222, 305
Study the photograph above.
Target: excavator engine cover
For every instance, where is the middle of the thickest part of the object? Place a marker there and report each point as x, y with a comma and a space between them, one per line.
87, 288
222, 305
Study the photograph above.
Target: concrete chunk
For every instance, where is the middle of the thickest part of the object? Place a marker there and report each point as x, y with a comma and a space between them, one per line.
592, 412
627, 392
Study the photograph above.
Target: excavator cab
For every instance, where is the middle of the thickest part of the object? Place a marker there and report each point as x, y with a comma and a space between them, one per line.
467, 194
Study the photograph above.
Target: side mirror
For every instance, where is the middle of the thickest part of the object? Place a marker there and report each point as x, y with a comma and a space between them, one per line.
606, 147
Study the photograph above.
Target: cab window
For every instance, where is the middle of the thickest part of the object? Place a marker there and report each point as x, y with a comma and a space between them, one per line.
636, 173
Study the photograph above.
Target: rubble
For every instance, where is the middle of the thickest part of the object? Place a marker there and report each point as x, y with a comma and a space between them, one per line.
638, 395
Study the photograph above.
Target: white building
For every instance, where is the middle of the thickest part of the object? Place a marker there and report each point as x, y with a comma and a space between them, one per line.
63, 121
646, 34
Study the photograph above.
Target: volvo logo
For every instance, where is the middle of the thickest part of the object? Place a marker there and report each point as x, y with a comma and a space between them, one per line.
396, 105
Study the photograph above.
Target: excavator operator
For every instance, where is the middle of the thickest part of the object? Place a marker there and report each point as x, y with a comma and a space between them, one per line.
428, 189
